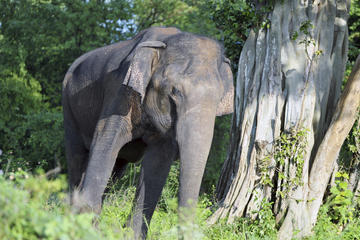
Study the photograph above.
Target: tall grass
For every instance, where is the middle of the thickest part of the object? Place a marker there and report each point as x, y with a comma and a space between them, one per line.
33, 207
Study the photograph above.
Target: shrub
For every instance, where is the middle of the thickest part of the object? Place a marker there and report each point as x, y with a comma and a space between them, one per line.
39, 139
28, 129
218, 153
32, 208
19, 95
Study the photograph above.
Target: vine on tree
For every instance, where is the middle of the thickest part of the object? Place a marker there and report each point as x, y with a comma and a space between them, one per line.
288, 148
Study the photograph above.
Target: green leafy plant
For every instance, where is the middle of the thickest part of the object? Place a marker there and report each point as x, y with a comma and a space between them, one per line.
37, 142
264, 225
288, 148
340, 200
307, 39
337, 218
32, 208
218, 153
19, 95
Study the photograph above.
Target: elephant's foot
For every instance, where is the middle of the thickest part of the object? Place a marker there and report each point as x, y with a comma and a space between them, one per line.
81, 203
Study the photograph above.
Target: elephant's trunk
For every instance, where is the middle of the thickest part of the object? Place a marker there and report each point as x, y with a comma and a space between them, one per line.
194, 135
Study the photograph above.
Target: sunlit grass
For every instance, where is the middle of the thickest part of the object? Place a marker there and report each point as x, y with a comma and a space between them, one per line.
33, 207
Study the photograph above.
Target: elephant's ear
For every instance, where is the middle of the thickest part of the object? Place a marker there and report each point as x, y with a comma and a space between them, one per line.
226, 105
140, 69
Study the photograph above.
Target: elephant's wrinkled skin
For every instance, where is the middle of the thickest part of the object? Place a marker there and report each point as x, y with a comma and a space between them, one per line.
153, 97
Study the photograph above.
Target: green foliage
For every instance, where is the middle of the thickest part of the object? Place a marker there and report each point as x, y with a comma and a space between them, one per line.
353, 140
324, 228
264, 225
264, 166
289, 148
48, 35
354, 31
340, 200
37, 141
31, 208
166, 13
19, 95
307, 39
349, 157
187, 15
38, 42
168, 201
354, 37
164, 224
234, 19
27, 129
336, 217
116, 210
305, 30
218, 153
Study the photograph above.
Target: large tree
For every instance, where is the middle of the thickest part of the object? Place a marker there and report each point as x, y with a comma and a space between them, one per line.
289, 124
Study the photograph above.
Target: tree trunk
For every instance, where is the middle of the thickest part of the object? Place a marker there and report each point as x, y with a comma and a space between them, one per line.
342, 121
288, 85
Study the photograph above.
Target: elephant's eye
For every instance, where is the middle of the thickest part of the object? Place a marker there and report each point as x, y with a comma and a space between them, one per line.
176, 94
175, 91
227, 60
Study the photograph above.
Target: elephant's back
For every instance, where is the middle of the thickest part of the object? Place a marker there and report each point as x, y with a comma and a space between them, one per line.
96, 64
92, 66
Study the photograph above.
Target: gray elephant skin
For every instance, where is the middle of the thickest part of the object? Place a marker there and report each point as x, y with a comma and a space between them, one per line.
154, 97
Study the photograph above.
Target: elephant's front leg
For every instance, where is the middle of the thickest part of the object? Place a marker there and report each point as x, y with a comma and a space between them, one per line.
111, 134
154, 171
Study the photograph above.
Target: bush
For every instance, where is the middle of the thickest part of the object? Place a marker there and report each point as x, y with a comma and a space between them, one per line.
218, 153
39, 139
19, 95
32, 208
28, 129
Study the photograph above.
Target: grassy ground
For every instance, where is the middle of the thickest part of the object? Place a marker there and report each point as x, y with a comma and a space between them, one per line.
32, 207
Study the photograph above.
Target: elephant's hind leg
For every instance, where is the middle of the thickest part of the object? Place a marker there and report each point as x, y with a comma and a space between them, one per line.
76, 153
154, 171
119, 169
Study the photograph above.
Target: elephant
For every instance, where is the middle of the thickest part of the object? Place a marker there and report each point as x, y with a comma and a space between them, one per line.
152, 98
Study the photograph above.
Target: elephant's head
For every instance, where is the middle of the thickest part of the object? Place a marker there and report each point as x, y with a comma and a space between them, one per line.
179, 62
185, 81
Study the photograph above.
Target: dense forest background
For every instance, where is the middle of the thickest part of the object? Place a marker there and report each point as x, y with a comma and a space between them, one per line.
39, 39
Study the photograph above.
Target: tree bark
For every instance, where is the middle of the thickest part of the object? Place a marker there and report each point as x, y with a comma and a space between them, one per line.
342, 121
289, 78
